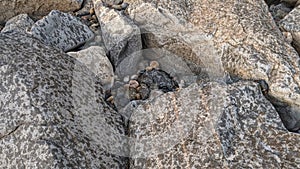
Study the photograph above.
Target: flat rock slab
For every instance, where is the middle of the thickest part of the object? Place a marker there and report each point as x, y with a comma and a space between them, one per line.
61, 30
22, 23
52, 109
11, 8
211, 126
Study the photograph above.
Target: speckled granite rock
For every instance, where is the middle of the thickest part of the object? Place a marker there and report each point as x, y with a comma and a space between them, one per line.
52, 114
211, 126
291, 23
243, 35
11, 8
95, 59
279, 11
61, 30
21, 23
120, 35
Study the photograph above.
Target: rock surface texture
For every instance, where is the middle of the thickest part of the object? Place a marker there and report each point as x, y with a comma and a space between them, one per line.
211, 126
22, 23
291, 23
11, 8
120, 35
61, 30
52, 114
243, 35
95, 59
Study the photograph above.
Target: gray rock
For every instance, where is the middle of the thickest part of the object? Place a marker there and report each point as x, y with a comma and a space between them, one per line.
120, 35
96, 61
22, 23
279, 11
61, 30
211, 126
10, 8
234, 40
291, 24
52, 114
291, 2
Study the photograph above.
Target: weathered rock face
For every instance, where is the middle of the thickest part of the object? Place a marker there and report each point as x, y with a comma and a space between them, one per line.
95, 59
291, 23
52, 109
291, 2
120, 35
242, 35
22, 23
61, 30
211, 126
11, 8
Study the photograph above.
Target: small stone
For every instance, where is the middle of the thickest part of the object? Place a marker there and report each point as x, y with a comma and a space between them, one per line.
92, 11
110, 99
126, 79
133, 83
126, 86
134, 77
138, 96
149, 68
154, 64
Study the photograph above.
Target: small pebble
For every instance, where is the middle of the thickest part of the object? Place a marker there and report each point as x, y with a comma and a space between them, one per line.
134, 77
133, 83
154, 64
110, 99
126, 86
92, 11
149, 68
138, 96
126, 79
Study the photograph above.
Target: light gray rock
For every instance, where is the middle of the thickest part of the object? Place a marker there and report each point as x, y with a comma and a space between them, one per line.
61, 30
11, 8
120, 35
291, 24
52, 114
242, 40
22, 23
96, 61
279, 11
211, 126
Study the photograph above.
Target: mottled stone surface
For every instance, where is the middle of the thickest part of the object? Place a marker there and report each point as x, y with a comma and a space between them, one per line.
22, 23
52, 114
120, 35
291, 2
291, 23
61, 30
211, 126
11, 8
241, 35
279, 11
95, 59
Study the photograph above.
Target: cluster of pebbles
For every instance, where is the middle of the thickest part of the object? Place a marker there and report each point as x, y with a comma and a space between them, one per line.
140, 85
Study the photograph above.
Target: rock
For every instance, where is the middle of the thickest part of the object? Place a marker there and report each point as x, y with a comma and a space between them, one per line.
61, 30
279, 11
211, 126
10, 9
290, 23
241, 39
96, 61
22, 23
52, 109
120, 35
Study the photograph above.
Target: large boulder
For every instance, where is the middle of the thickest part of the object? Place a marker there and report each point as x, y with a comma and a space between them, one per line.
61, 30
241, 35
211, 126
11, 8
52, 114
121, 36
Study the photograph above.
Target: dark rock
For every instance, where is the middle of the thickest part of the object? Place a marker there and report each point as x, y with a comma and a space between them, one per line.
61, 30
